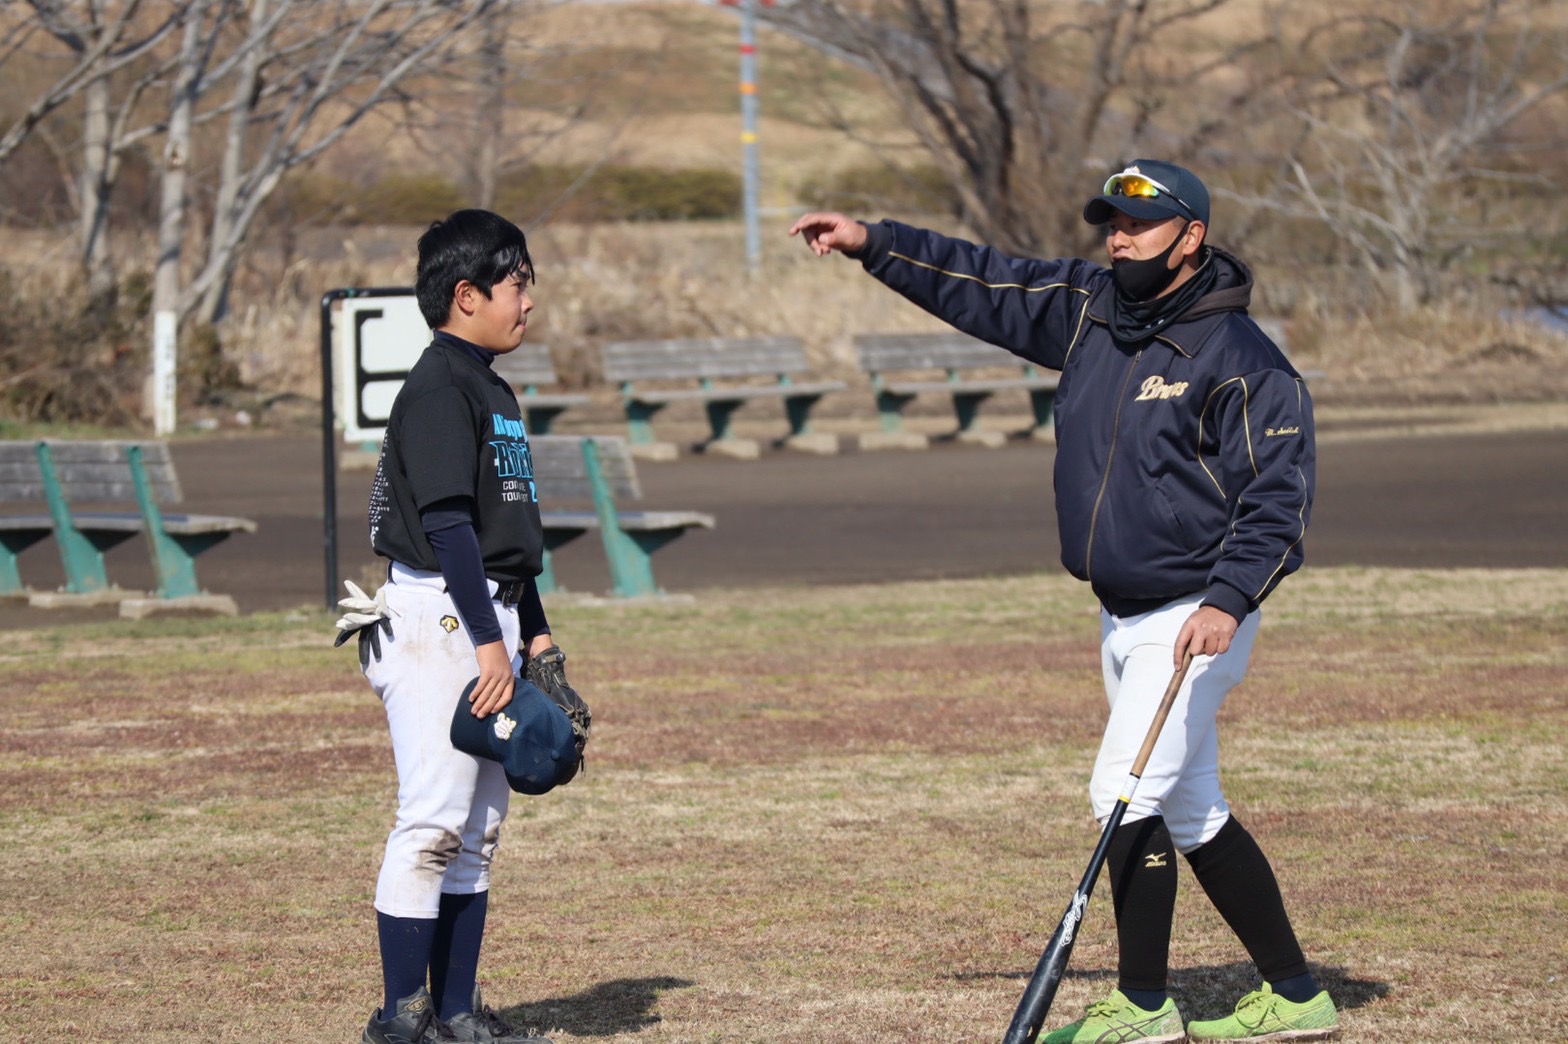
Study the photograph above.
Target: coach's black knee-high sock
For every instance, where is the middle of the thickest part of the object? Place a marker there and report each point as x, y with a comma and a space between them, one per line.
1142, 863
1240, 883
405, 956
454, 960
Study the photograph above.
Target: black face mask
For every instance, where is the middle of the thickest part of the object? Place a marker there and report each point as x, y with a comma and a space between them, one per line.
1147, 279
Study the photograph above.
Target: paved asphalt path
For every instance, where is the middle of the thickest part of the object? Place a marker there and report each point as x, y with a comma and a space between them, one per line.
952, 511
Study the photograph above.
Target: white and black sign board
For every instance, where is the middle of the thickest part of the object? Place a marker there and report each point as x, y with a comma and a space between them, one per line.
377, 341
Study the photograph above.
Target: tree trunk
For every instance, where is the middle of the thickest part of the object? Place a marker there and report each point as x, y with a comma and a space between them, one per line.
214, 299
159, 398
490, 123
94, 188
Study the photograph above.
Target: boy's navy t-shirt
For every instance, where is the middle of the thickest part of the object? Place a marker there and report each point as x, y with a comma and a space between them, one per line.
455, 430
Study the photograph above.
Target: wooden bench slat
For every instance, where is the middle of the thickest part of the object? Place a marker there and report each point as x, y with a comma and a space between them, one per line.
725, 366
998, 384
638, 520
702, 357
881, 355
561, 473
528, 364
100, 470
25, 522
526, 369
736, 394
877, 352
207, 524
561, 399
630, 537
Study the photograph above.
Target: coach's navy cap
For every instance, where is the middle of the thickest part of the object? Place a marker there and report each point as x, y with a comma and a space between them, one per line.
531, 737
1152, 190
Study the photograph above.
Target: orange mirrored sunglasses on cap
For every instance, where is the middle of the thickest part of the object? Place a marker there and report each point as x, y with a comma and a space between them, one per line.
1141, 186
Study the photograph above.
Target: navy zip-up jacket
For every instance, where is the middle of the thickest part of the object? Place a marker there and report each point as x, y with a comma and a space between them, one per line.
1184, 464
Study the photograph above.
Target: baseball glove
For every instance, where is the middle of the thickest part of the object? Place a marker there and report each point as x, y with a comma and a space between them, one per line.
547, 673
366, 618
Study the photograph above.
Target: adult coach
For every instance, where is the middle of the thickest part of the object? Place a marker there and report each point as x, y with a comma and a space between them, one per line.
1184, 480
454, 510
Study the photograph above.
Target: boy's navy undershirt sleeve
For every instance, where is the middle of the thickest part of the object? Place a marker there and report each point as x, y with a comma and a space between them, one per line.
530, 614
450, 530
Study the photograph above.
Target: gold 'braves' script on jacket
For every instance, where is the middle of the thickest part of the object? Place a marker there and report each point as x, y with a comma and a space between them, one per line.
1156, 388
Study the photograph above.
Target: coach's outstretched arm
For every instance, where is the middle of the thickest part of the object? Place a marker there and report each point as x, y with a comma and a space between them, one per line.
825, 231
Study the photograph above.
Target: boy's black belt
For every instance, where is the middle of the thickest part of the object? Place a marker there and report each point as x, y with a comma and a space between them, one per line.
510, 592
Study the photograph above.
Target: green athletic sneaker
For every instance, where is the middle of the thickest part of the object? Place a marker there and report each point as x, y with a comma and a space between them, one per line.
1117, 1020
1265, 1015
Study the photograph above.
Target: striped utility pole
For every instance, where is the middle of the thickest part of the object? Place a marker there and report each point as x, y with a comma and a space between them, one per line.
748, 135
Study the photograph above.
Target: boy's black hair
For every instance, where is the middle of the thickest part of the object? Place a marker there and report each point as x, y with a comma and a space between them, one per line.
476, 245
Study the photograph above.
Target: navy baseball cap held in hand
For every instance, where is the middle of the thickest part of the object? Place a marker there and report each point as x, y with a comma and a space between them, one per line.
1151, 190
531, 737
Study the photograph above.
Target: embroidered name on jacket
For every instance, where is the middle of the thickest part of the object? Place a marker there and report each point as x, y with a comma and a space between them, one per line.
1156, 388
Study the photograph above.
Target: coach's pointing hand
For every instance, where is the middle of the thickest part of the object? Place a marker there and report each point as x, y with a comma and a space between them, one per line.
493, 688
825, 232
1208, 632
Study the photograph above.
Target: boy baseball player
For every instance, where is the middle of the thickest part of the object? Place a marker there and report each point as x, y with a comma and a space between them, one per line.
453, 508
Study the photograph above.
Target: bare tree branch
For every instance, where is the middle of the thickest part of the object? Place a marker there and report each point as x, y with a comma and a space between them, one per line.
1409, 123
98, 46
1014, 103
323, 74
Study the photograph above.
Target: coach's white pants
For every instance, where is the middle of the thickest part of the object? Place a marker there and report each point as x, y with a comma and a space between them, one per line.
449, 804
1182, 779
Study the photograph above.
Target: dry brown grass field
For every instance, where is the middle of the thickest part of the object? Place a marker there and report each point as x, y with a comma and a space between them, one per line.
861, 833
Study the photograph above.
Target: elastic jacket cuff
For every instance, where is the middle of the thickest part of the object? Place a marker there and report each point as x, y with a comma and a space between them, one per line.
1228, 600
879, 240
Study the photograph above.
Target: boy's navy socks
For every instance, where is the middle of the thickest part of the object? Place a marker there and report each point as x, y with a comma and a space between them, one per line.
1148, 1000
405, 956
454, 960
1298, 989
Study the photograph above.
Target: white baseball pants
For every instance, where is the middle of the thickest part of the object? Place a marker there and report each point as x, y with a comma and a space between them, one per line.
449, 804
1182, 779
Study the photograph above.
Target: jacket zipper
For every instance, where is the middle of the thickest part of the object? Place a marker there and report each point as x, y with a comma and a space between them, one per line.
1110, 458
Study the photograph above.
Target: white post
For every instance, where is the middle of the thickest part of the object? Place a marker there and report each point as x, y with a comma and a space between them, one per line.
159, 398
164, 341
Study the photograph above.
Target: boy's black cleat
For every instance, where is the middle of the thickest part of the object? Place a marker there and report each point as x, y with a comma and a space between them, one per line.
482, 1026
414, 1022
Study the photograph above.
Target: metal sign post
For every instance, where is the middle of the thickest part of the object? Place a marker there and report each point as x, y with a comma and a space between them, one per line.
368, 344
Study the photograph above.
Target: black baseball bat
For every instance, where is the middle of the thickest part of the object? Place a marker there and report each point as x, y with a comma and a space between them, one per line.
1041, 991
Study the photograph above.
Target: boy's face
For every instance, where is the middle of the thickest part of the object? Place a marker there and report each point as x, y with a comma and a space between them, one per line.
496, 322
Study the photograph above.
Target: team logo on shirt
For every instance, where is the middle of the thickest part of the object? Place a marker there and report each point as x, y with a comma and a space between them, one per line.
514, 464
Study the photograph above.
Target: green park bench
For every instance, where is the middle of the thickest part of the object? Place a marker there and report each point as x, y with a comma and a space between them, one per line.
596, 472
528, 369
900, 367
655, 374
131, 480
